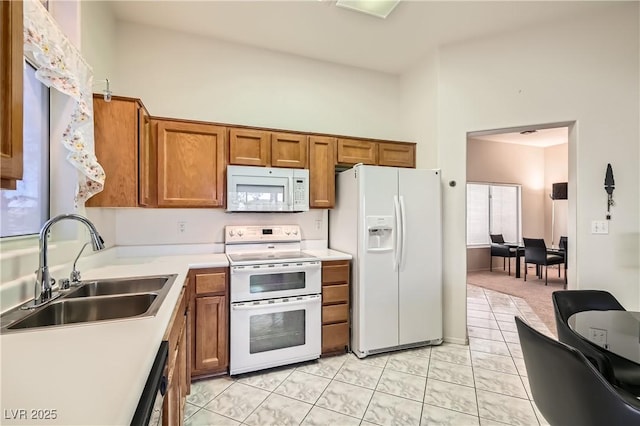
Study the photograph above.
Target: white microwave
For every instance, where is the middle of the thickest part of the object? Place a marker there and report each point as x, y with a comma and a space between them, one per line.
267, 189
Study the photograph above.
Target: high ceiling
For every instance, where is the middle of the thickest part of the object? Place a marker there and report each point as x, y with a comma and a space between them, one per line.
320, 30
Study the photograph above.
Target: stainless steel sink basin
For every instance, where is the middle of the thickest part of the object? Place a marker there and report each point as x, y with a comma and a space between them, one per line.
92, 301
86, 310
119, 286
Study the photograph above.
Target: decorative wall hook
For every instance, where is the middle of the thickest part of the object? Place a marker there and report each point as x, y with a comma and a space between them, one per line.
106, 93
609, 186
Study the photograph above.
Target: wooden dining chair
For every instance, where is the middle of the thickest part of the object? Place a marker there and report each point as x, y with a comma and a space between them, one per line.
535, 251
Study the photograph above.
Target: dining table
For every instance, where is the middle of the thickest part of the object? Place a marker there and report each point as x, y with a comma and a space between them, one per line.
616, 331
519, 249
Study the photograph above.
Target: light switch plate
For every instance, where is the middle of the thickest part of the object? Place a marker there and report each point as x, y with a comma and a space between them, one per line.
599, 227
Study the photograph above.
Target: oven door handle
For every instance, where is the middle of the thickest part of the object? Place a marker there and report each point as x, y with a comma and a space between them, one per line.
250, 307
289, 268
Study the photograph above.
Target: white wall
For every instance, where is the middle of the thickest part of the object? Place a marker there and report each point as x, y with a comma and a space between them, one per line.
583, 69
187, 76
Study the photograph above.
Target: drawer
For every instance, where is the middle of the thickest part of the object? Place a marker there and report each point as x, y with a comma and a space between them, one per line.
332, 294
335, 273
335, 313
335, 337
211, 283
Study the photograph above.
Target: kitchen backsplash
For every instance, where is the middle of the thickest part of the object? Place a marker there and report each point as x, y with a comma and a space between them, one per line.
203, 226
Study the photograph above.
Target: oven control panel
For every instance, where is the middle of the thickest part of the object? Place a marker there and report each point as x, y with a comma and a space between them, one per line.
257, 234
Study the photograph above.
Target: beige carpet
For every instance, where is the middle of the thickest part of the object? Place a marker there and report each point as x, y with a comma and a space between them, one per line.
536, 294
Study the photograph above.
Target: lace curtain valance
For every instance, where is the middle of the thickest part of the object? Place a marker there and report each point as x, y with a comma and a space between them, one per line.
61, 66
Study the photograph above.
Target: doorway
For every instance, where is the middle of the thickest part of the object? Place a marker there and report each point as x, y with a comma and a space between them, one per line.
530, 162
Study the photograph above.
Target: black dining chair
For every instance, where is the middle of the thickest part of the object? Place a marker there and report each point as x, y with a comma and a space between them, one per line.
614, 368
535, 251
567, 388
498, 249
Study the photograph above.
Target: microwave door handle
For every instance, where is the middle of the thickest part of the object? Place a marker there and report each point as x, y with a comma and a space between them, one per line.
290, 200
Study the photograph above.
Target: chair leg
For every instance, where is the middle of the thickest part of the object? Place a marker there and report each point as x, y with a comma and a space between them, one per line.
509, 266
525, 271
558, 271
545, 274
504, 263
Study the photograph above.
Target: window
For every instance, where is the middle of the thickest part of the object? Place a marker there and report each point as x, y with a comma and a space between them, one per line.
492, 209
25, 209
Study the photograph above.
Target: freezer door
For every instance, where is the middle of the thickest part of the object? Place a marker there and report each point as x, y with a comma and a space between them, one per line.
376, 289
420, 276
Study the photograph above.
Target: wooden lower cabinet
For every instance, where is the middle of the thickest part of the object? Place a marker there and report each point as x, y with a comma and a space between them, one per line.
210, 322
335, 307
177, 366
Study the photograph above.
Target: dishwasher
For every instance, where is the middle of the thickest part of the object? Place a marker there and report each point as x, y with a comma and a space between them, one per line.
149, 410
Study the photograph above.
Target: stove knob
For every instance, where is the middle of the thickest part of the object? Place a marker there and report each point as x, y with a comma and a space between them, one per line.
295, 232
240, 232
286, 231
231, 233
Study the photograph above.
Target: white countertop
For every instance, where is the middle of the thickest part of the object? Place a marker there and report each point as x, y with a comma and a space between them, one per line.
94, 373
91, 373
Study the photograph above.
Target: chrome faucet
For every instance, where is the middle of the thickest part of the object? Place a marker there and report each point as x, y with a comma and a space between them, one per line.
44, 282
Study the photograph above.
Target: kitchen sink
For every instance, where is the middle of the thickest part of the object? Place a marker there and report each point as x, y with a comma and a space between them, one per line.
118, 286
93, 301
87, 310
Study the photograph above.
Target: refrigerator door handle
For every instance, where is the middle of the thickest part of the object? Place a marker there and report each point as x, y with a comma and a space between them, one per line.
403, 237
398, 245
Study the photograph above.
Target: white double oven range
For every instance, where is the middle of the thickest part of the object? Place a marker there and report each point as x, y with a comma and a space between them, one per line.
275, 298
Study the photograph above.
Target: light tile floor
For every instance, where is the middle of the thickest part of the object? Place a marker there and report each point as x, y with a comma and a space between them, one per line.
484, 383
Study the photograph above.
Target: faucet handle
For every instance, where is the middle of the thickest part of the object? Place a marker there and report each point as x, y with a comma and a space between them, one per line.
64, 284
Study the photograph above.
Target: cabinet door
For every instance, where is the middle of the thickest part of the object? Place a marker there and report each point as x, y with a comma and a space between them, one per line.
11, 88
289, 150
116, 145
249, 147
146, 160
190, 164
397, 154
211, 344
353, 151
322, 181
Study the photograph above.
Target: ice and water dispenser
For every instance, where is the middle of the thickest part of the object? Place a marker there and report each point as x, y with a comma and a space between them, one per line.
379, 233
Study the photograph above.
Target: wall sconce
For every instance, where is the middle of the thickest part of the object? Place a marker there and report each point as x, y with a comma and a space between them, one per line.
609, 186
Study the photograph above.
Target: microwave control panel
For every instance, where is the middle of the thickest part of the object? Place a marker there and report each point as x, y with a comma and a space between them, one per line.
260, 234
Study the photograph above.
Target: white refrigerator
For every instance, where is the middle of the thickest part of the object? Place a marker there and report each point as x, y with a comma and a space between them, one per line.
389, 220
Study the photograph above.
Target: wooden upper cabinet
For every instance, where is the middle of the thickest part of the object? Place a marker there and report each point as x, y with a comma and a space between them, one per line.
190, 164
116, 133
322, 183
11, 60
147, 165
249, 147
354, 151
289, 150
397, 154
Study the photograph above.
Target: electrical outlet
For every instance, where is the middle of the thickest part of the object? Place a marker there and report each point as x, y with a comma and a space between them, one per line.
318, 224
182, 227
599, 227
